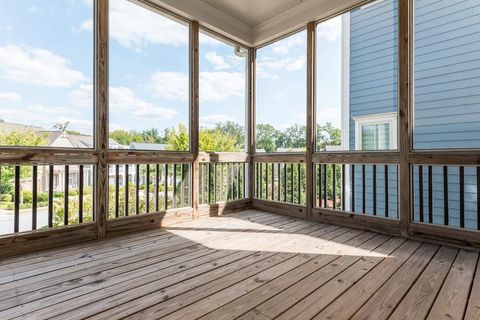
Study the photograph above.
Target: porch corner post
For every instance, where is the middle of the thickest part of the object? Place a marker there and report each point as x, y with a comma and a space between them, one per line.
251, 122
194, 113
405, 112
311, 117
101, 115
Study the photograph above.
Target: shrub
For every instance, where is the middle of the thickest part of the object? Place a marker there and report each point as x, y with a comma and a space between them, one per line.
42, 197
72, 211
73, 192
27, 196
58, 195
6, 198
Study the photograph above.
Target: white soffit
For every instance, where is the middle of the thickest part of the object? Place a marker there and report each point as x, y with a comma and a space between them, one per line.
254, 22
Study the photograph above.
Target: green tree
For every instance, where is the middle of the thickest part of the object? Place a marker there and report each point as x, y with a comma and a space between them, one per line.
268, 138
26, 137
295, 137
177, 139
235, 130
214, 140
126, 137
328, 135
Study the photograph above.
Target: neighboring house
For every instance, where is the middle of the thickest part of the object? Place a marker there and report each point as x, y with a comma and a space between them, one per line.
446, 94
147, 146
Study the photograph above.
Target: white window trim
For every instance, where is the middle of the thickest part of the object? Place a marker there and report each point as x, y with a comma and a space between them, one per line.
388, 118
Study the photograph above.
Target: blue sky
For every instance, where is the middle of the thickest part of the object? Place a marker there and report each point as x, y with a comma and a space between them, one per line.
46, 70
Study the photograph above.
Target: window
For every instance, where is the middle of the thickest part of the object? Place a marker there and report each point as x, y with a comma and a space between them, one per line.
223, 93
281, 95
356, 78
149, 79
46, 73
376, 132
446, 74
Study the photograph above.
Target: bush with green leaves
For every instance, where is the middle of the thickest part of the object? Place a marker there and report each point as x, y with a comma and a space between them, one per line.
73, 210
6, 197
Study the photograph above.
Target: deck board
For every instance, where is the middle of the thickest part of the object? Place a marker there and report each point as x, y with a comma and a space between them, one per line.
248, 265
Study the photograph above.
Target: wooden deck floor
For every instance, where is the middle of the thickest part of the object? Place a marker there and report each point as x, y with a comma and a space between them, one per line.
249, 265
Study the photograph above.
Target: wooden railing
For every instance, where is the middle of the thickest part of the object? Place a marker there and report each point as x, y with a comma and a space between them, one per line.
446, 195
146, 188
281, 182
222, 182
40, 197
370, 189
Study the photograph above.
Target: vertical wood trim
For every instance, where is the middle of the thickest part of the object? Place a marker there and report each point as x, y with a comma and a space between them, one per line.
404, 112
251, 122
101, 112
194, 112
310, 118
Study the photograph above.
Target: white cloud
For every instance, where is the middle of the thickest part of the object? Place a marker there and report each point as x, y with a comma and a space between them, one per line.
86, 25
218, 62
272, 69
213, 119
37, 66
330, 30
283, 46
220, 86
41, 109
82, 96
214, 86
134, 26
10, 97
170, 85
124, 99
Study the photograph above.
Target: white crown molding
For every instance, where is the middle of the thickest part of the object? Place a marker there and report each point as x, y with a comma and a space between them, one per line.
284, 23
209, 17
298, 17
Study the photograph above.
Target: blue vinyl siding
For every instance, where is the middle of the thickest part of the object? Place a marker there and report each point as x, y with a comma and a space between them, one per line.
446, 94
447, 74
373, 61
373, 90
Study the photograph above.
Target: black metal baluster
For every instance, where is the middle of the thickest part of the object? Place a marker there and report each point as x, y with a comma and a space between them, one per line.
35, 197
462, 196
65, 196
343, 187
386, 192
157, 187
16, 218
117, 187
137, 189
420, 191
127, 192
364, 200
430, 194
50, 196
165, 185
325, 185
80, 193
353, 188
445, 196
147, 190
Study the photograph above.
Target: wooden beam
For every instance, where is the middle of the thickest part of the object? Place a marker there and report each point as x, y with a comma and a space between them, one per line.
280, 157
101, 112
30, 241
359, 221
469, 239
375, 157
149, 157
251, 148
404, 113
194, 112
311, 118
450, 157
27, 156
216, 157
288, 209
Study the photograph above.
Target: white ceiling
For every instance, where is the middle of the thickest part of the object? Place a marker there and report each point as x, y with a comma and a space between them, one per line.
253, 12
254, 22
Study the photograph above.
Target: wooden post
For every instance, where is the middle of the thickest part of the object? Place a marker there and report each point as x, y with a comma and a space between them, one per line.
194, 112
404, 112
311, 118
101, 113
251, 121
